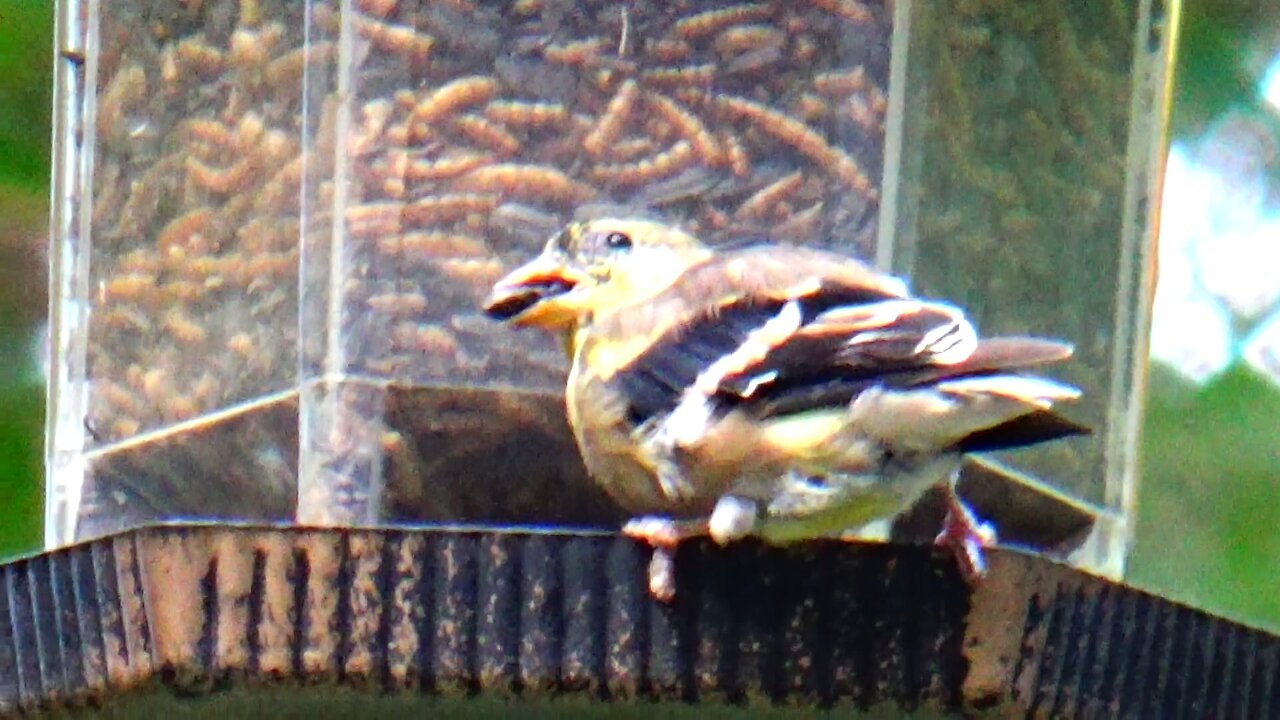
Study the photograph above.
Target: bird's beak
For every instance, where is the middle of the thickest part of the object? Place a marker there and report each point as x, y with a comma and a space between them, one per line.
533, 294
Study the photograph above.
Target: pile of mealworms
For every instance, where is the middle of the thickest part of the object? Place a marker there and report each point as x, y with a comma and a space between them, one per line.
281, 191
449, 139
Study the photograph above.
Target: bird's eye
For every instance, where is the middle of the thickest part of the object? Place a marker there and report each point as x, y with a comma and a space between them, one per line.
617, 241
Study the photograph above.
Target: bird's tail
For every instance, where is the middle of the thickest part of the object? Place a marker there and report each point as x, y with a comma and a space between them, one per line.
985, 402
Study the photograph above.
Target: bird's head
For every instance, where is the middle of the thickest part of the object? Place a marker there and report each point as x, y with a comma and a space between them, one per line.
593, 267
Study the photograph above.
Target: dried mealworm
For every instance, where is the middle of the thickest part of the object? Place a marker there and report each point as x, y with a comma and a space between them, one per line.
578, 52
374, 116
430, 339
754, 61
441, 244
284, 74
420, 134
455, 96
249, 131
139, 209
614, 118
628, 149
746, 38
808, 106
278, 147
711, 21
435, 340
394, 187
478, 272
860, 111
801, 225
205, 60
526, 114
123, 92
403, 304
139, 260
212, 133
278, 265
395, 39
397, 135
762, 200
447, 208
245, 52
800, 136
669, 50
281, 189
534, 182
688, 126
210, 266
373, 220
377, 8
432, 244
851, 10
404, 99
221, 181
259, 234
134, 287
194, 228
443, 168
241, 344
676, 158
838, 83
177, 408
485, 134
184, 329
126, 318
123, 427
804, 50
695, 76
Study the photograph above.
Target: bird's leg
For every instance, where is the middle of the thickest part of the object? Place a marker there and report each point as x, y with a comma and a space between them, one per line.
966, 535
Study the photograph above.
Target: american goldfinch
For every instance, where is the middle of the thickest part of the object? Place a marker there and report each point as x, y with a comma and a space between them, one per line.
771, 390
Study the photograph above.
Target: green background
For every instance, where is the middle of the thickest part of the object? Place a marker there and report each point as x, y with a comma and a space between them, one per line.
26, 40
1208, 502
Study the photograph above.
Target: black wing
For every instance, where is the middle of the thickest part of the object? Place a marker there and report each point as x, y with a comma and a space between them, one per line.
781, 353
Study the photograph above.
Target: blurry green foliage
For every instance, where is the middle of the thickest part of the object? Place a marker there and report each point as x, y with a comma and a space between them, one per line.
26, 29
1209, 503
1208, 75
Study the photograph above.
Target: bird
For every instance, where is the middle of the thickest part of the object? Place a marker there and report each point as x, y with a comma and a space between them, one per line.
772, 390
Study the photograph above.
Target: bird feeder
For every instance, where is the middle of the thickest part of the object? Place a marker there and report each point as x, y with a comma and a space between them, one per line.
275, 222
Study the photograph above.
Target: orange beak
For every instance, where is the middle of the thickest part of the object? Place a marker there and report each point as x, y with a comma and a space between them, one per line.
533, 294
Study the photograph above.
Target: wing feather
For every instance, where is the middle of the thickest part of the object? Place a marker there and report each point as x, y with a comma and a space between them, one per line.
702, 321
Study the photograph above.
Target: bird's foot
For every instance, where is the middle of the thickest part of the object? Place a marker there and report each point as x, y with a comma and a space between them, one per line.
732, 519
664, 532
966, 536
